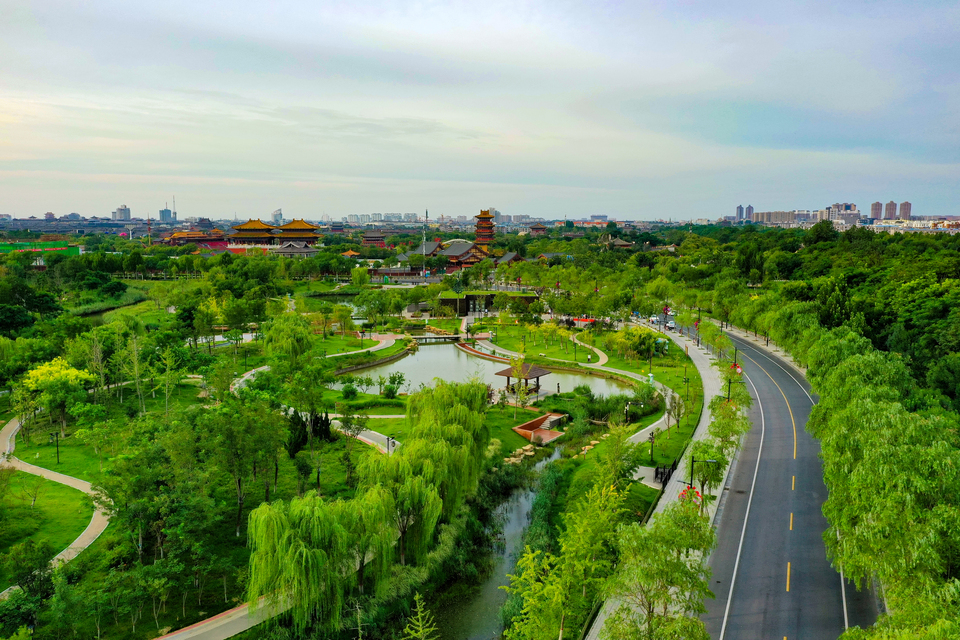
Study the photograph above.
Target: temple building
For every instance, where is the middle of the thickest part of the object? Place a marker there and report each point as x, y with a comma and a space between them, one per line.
297, 231
255, 232
373, 238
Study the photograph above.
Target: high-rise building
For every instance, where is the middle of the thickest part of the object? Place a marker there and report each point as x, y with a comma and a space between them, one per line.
876, 210
277, 217
890, 211
122, 213
905, 210
376, 217
739, 212
166, 215
749, 213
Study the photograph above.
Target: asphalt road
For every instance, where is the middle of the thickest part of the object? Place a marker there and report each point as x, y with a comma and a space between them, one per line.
770, 535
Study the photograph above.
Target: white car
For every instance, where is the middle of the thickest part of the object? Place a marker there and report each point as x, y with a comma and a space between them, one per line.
654, 320
671, 325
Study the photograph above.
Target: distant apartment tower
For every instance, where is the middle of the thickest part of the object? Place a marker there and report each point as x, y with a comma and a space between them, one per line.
122, 213
890, 211
876, 210
376, 217
166, 215
739, 212
410, 217
598, 218
749, 213
905, 210
277, 217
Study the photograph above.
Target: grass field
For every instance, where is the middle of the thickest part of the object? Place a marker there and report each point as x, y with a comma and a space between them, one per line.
60, 515
521, 339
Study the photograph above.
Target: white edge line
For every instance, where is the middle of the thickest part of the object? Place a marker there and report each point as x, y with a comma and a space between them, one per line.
746, 516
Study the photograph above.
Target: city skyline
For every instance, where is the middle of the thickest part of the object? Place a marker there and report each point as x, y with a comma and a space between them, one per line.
546, 110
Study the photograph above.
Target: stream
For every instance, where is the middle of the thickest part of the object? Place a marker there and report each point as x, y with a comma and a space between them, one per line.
475, 617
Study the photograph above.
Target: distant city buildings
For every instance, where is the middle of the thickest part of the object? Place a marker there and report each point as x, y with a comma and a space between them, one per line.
905, 208
739, 212
890, 211
876, 210
166, 215
122, 213
749, 212
277, 217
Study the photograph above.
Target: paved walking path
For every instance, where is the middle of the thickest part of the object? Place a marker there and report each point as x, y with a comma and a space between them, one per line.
711, 387
99, 521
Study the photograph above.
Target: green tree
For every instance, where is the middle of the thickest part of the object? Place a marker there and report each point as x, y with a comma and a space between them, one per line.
420, 625
54, 386
662, 578
360, 276
289, 335
300, 554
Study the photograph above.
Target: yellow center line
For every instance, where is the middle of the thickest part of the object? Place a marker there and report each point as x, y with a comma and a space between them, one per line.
793, 483
788, 576
792, 421
791, 521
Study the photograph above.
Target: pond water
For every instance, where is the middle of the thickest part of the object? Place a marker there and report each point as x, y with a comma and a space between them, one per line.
448, 363
475, 617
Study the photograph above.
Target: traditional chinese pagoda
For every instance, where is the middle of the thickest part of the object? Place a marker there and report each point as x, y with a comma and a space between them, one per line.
484, 228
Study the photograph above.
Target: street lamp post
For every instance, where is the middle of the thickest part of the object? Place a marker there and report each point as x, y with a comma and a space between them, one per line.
693, 461
626, 414
56, 436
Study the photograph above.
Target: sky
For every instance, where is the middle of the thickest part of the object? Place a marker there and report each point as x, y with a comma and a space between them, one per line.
637, 110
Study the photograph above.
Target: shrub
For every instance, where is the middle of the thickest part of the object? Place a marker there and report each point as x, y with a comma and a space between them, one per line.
349, 392
390, 392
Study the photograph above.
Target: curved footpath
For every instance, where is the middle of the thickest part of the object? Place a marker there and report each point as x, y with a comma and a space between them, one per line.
98, 522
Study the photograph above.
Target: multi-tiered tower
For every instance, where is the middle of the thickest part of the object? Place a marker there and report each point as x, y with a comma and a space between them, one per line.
484, 228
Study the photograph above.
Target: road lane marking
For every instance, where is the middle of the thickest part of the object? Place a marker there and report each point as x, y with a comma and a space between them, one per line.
843, 583
759, 352
791, 521
793, 483
792, 421
788, 576
746, 516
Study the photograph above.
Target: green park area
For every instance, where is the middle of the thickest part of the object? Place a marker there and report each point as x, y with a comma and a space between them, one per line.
33, 509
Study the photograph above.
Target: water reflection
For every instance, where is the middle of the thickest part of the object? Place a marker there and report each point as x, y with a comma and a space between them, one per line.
448, 363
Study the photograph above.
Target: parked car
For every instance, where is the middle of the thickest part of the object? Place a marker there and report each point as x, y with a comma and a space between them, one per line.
654, 320
671, 325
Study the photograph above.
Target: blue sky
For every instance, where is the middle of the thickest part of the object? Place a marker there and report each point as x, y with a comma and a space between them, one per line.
636, 110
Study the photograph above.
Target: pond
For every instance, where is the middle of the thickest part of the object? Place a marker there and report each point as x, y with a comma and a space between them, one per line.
448, 363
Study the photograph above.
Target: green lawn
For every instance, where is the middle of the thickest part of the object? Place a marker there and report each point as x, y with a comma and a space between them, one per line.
60, 515
502, 422
519, 338
79, 460
146, 312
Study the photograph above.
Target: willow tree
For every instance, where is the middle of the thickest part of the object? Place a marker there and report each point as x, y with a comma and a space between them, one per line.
291, 335
417, 503
368, 520
300, 557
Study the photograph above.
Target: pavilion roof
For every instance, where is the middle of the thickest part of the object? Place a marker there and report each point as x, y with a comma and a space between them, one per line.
529, 371
254, 225
298, 225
